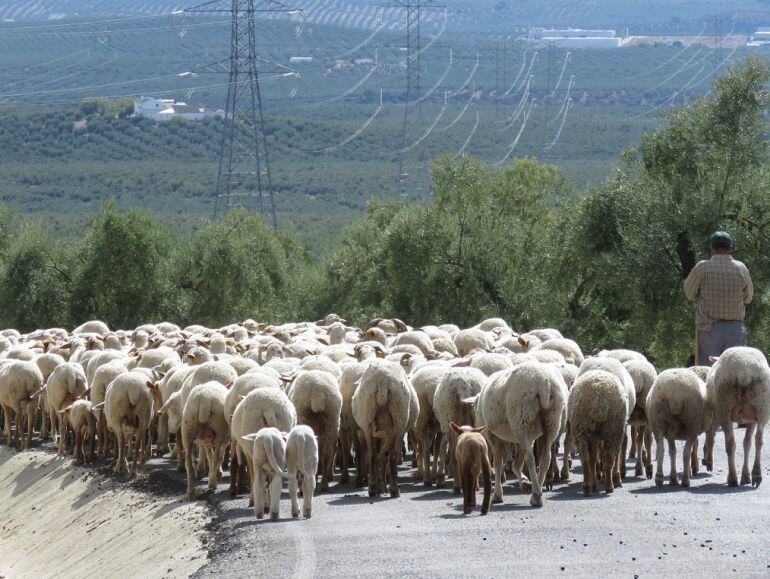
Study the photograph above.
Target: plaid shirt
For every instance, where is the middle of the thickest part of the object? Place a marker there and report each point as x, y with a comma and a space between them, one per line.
721, 286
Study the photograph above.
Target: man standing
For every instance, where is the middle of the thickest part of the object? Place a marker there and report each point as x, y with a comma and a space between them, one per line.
721, 286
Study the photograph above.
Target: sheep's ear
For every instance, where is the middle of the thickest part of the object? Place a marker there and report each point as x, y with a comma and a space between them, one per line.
190, 356
252, 437
470, 401
323, 341
379, 352
62, 412
151, 385
242, 397
713, 359
454, 427
85, 394
595, 352
400, 326
524, 343
480, 429
229, 386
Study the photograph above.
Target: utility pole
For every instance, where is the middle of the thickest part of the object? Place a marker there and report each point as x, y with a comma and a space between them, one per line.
243, 177
551, 44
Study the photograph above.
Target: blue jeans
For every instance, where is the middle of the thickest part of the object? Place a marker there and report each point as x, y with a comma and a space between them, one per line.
721, 336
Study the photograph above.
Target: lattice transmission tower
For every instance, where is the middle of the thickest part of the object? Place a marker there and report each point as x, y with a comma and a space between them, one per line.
243, 178
413, 12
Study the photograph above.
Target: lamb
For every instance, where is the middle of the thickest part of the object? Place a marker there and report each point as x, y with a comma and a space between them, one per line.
203, 422
522, 405
269, 459
317, 399
128, 410
20, 385
738, 389
456, 385
381, 407
81, 419
471, 456
677, 410
597, 411
260, 408
302, 458
65, 384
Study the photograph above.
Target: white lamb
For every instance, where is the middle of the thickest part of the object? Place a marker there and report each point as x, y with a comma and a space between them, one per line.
522, 405
268, 458
381, 407
302, 458
81, 420
677, 410
203, 423
739, 391
318, 402
456, 385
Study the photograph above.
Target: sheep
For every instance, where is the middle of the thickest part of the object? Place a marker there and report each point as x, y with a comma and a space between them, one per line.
738, 389
472, 339
20, 385
236, 391
269, 459
81, 419
203, 422
320, 363
98, 389
381, 407
615, 366
260, 408
302, 458
128, 410
471, 456
643, 374
318, 402
416, 338
567, 348
619, 354
456, 385
65, 384
92, 327
597, 410
490, 363
677, 410
101, 358
350, 436
522, 405
427, 430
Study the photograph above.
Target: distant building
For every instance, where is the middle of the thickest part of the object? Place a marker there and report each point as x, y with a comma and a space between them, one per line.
300, 60
575, 37
760, 38
167, 109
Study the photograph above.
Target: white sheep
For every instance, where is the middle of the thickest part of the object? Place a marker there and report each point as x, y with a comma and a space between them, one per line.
456, 385
381, 406
472, 339
203, 423
738, 389
268, 458
103, 377
597, 412
643, 374
65, 384
20, 385
318, 402
83, 424
351, 439
302, 458
677, 410
128, 409
260, 408
522, 405
92, 327
489, 363
424, 381
567, 348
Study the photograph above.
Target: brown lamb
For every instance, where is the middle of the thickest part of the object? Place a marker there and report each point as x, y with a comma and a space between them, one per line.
472, 456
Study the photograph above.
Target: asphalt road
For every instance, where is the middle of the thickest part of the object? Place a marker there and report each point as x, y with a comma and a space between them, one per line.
709, 530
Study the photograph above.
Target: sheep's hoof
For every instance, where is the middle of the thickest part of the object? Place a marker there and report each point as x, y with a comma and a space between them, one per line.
673, 481
373, 491
639, 471
631, 454
259, 514
526, 486
466, 510
344, 478
536, 500
190, 496
686, 482
659, 481
251, 502
745, 479
648, 470
232, 491
427, 482
307, 514
586, 490
394, 492
617, 478
496, 499
273, 516
484, 511
756, 477
732, 480
609, 489
440, 482
323, 487
457, 490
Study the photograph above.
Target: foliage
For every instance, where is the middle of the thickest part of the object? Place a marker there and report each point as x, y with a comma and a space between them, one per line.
119, 108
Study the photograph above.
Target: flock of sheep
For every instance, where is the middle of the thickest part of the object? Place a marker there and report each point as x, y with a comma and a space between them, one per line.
299, 400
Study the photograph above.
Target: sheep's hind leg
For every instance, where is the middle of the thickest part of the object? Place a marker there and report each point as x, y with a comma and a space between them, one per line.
687, 461
659, 452
756, 471
745, 478
732, 475
672, 477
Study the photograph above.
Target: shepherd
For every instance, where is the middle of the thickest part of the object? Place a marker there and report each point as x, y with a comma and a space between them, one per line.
722, 287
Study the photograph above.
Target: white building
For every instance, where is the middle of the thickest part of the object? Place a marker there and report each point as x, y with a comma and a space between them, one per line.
575, 38
535, 33
167, 109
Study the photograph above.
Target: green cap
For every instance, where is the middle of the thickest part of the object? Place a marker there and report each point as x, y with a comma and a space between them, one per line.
721, 239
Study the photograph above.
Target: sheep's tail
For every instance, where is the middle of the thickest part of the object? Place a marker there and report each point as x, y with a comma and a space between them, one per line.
268, 443
80, 383
317, 400
544, 394
382, 394
268, 414
204, 412
675, 405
